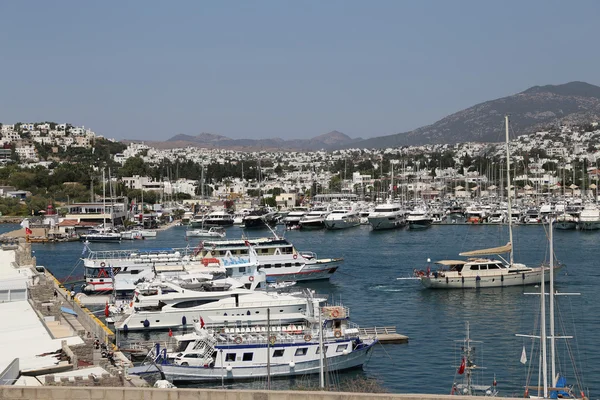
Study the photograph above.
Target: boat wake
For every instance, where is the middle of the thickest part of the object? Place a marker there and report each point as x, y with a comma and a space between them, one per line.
384, 288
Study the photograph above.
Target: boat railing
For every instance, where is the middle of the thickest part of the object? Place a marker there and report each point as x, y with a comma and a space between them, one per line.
259, 304
308, 254
378, 330
138, 253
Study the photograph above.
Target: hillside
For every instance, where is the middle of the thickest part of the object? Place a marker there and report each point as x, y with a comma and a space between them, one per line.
536, 108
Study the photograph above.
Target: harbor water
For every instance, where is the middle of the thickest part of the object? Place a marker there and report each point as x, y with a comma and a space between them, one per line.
433, 319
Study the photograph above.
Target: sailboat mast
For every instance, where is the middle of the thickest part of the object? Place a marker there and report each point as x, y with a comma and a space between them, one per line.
103, 200
510, 234
468, 359
321, 371
543, 337
552, 339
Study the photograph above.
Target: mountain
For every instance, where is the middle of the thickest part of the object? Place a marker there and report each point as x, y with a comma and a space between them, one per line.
536, 108
326, 141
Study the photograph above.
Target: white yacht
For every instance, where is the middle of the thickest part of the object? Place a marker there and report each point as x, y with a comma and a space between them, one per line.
419, 218
103, 235
387, 216
254, 352
211, 232
219, 217
315, 219
280, 260
165, 305
294, 216
342, 217
589, 218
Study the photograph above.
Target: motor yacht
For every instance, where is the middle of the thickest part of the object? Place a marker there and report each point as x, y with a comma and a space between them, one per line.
387, 216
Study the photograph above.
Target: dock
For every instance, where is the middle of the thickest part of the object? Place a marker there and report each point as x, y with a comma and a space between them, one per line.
385, 334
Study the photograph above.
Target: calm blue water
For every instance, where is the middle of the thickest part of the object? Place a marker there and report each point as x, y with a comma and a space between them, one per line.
433, 320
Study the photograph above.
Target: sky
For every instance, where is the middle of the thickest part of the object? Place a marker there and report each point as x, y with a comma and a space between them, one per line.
149, 70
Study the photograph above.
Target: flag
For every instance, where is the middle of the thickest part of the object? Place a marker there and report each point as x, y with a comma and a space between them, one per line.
28, 231
523, 356
201, 322
106, 310
170, 333
461, 369
247, 243
84, 250
111, 273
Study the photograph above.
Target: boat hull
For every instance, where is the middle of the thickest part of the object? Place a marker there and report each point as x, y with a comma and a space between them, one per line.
416, 225
383, 223
437, 281
176, 373
566, 225
588, 225
341, 224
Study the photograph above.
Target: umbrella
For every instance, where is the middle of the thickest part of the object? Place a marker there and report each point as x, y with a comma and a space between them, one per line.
527, 187
492, 187
573, 186
474, 188
459, 188
593, 186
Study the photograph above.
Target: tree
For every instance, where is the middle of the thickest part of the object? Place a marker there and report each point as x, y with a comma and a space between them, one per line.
134, 166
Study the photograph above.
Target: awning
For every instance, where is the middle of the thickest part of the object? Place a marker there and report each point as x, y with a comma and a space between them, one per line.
451, 262
484, 252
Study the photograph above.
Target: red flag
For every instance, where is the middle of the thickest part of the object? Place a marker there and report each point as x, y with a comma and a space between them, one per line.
106, 311
170, 333
461, 369
28, 231
247, 243
201, 323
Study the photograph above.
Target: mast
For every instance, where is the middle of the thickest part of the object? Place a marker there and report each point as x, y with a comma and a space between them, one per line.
510, 234
543, 331
268, 349
103, 200
552, 338
468, 359
321, 372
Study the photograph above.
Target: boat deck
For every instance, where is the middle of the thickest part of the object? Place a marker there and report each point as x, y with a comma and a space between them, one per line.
385, 334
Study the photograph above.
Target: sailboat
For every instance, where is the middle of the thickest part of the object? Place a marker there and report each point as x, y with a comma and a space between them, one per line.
556, 386
479, 272
102, 233
467, 369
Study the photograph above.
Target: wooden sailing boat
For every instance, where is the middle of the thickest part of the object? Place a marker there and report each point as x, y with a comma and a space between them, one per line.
479, 272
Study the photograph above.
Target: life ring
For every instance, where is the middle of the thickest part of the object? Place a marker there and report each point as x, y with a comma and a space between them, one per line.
307, 337
251, 278
335, 313
295, 256
238, 339
337, 333
272, 339
103, 264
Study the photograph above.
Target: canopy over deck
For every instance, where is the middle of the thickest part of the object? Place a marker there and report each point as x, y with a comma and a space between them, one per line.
491, 251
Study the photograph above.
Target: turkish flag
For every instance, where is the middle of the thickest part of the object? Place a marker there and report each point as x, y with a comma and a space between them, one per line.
106, 311
28, 231
461, 369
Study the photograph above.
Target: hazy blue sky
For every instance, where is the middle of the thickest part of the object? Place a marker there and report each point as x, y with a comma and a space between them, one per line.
290, 69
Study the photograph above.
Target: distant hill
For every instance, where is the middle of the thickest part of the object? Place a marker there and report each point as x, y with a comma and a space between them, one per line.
326, 141
536, 108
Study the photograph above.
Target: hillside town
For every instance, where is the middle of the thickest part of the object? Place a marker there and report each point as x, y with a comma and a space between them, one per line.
546, 160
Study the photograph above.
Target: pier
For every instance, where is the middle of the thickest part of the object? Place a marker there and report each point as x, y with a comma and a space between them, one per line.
385, 334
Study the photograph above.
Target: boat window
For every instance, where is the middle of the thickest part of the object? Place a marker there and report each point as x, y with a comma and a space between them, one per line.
278, 353
493, 266
341, 348
242, 269
483, 267
222, 252
475, 267
297, 264
191, 303
324, 349
277, 265
287, 265
264, 251
286, 250
230, 357
192, 355
301, 351
267, 265
247, 356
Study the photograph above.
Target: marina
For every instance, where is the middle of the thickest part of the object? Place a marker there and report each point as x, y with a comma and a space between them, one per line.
428, 317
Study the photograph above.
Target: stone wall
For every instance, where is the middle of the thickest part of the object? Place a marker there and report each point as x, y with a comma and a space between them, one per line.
89, 393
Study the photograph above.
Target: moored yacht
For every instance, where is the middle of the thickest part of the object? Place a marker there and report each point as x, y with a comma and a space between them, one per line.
294, 216
212, 232
419, 218
315, 219
565, 222
103, 235
218, 217
257, 351
342, 218
589, 218
387, 216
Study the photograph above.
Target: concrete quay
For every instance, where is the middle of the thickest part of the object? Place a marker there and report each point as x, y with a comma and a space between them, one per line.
95, 393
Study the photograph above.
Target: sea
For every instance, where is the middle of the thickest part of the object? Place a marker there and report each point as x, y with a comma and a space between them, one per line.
434, 320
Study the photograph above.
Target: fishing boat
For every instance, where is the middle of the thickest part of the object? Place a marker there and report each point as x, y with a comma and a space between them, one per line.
556, 385
479, 272
468, 380
259, 351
